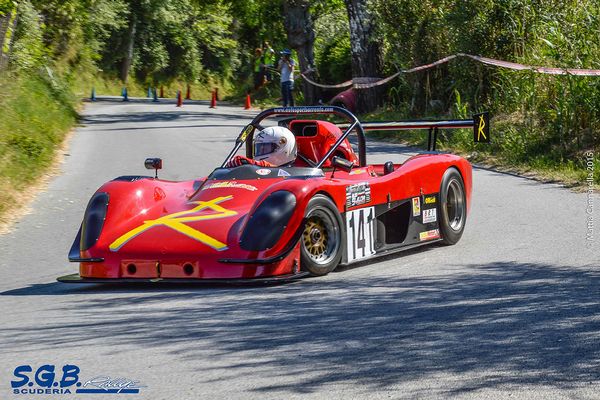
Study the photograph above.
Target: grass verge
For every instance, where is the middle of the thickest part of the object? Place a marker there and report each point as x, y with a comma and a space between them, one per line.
36, 116
38, 110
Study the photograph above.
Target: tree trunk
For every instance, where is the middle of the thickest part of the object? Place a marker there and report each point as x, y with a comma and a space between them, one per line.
127, 61
8, 24
301, 37
4, 23
367, 59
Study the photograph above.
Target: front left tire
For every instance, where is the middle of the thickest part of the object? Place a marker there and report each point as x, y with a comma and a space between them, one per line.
322, 246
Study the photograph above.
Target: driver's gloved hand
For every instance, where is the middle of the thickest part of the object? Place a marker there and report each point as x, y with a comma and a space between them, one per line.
238, 161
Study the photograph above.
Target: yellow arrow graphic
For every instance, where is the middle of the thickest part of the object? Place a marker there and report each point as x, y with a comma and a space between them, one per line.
480, 130
176, 221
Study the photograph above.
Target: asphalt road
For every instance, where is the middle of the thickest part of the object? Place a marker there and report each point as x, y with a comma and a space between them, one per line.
512, 311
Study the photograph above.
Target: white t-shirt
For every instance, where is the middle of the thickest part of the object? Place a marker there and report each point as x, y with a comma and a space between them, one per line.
287, 74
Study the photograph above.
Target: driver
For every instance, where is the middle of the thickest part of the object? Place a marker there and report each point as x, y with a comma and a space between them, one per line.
273, 147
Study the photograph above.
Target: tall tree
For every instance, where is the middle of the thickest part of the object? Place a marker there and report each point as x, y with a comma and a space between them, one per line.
301, 37
161, 41
129, 46
8, 22
367, 59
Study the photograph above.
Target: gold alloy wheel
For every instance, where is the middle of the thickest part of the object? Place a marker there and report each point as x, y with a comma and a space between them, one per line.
321, 243
315, 238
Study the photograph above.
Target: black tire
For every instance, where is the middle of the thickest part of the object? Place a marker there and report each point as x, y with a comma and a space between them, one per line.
321, 244
453, 207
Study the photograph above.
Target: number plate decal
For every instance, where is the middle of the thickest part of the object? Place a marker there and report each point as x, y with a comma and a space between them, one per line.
360, 233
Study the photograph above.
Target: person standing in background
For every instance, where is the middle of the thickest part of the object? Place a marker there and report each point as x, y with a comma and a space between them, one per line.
268, 61
286, 67
259, 69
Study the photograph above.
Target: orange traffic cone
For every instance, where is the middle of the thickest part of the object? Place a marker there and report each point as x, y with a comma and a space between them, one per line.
179, 99
248, 104
213, 101
188, 93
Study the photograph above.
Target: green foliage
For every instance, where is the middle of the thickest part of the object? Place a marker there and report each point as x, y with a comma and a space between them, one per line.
460, 109
332, 43
72, 45
255, 22
551, 119
334, 61
174, 39
28, 51
25, 146
35, 119
212, 30
7, 6
106, 17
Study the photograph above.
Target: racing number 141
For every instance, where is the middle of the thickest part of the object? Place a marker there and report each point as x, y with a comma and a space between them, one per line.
360, 233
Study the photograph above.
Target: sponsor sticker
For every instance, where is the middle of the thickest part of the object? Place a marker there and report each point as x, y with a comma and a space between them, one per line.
230, 185
263, 171
360, 228
357, 171
245, 133
303, 110
429, 215
416, 206
429, 200
283, 172
432, 234
358, 194
481, 128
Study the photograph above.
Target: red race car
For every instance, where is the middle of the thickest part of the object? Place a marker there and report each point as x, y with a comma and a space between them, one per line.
255, 223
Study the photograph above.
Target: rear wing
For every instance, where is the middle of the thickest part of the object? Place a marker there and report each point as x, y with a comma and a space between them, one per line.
480, 125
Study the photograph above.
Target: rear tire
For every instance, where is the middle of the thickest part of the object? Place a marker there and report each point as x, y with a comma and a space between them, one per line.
453, 207
322, 245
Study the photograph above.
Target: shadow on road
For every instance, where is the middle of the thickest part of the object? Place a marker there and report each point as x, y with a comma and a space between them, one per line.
163, 127
67, 289
496, 324
148, 100
159, 116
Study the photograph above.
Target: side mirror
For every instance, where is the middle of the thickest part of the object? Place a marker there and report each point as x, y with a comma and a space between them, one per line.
342, 163
153, 163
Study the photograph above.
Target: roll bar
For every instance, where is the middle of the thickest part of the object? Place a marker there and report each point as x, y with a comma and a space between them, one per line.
247, 133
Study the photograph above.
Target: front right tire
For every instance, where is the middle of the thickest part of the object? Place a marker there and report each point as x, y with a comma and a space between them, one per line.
453, 207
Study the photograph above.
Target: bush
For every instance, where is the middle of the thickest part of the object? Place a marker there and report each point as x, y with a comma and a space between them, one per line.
35, 118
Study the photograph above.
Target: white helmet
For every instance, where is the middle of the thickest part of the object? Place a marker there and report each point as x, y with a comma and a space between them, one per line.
276, 145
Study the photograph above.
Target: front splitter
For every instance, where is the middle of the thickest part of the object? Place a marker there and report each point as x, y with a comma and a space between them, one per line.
76, 278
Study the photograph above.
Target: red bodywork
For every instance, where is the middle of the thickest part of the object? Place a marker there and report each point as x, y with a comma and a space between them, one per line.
315, 141
345, 99
162, 229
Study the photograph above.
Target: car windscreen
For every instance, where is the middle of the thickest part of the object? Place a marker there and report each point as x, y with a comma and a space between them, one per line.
246, 172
